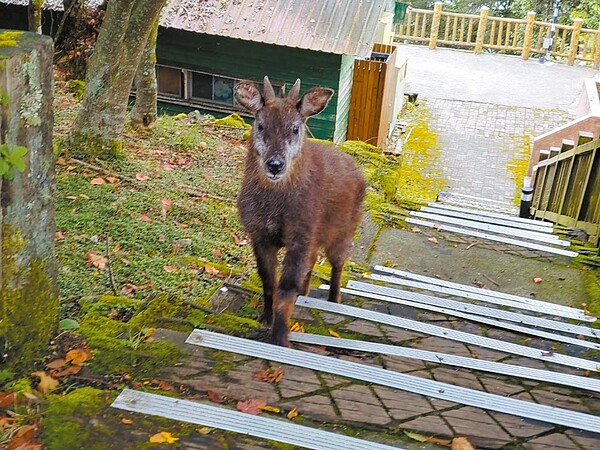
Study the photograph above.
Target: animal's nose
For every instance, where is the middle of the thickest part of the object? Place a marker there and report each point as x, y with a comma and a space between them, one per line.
275, 165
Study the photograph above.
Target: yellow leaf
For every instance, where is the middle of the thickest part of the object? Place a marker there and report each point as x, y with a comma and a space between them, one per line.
334, 333
164, 437
267, 408
78, 355
293, 413
97, 181
298, 327
126, 421
461, 443
47, 383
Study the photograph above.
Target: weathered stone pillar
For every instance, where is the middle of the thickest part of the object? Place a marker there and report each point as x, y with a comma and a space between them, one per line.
28, 293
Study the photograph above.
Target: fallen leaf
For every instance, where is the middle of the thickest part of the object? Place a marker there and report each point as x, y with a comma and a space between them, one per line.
204, 430
140, 177
217, 253
112, 180
297, 327
126, 421
145, 218
96, 260
334, 333
129, 288
71, 370
215, 397
537, 280
211, 270
7, 398
56, 364
171, 269
47, 383
164, 437
251, 406
78, 355
166, 386
421, 438
292, 414
238, 241
269, 375
59, 236
461, 443
166, 203
97, 181
416, 230
61, 161
433, 240
272, 409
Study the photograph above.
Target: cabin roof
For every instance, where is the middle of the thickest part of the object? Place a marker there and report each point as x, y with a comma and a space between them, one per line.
331, 26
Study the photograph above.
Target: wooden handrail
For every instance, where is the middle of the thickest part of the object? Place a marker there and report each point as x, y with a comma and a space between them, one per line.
511, 35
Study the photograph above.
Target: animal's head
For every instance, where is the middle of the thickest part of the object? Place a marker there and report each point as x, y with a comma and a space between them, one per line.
279, 125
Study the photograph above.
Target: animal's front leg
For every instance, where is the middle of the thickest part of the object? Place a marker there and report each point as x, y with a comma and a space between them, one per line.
295, 265
266, 261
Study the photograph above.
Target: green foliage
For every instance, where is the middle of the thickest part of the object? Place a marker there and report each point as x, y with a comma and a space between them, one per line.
11, 158
9, 38
77, 87
232, 120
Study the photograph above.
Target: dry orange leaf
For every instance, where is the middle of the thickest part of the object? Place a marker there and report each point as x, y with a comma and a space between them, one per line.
292, 414
78, 355
210, 270
461, 443
96, 260
56, 364
214, 397
112, 180
126, 421
269, 375
71, 370
97, 181
171, 269
251, 406
47, 383
145, 218
7, 398
164, 437
141, 177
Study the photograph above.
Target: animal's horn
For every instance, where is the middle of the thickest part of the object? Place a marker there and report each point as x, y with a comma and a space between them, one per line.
295, 91
269, 92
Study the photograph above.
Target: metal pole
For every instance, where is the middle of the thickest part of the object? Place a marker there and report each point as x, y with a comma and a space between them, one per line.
548, 42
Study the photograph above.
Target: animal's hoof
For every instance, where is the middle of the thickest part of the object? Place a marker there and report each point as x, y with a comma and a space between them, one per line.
266, 318
282, 341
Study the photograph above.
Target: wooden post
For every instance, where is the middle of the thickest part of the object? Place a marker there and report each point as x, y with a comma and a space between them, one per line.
574, 41
28, 290
435, 25
481, 26
597, 52
528, 35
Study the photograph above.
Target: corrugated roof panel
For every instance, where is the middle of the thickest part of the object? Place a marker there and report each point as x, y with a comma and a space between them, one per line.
331, 26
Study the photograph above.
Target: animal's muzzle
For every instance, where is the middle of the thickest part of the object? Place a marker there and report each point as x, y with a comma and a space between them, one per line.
275, 165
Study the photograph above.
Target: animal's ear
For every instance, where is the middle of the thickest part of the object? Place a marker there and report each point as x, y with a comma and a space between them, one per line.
314, 101
247, 94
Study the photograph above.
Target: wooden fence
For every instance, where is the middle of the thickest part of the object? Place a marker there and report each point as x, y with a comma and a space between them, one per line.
373, 96
527, 37
567, 185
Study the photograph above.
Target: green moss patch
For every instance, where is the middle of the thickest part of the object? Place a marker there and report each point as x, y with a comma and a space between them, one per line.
9, 38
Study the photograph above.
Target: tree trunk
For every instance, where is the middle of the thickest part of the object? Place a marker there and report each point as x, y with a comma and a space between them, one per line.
143, 114
98, 128
34, 16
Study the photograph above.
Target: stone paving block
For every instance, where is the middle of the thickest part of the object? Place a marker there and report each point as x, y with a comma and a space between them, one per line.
430, 425
334, 380
400, 364
520, 427
439, 404
316, 407
303, 315
555, 441
559, 400
436, 344
331, 319
586, 439
357, 403
402, 405
478, 426
298, 381
363, 327
377, 306
499, 385
398, 335
406, 312
485, 353
457, 377
526, 362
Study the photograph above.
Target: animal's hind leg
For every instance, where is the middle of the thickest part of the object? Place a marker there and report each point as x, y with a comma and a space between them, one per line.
337, 255
266, 261
311, 263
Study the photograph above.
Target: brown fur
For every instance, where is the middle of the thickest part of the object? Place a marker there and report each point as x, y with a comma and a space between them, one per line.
316, 204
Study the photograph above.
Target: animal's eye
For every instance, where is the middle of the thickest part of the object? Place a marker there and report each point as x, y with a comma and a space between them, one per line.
260, 127
296, 129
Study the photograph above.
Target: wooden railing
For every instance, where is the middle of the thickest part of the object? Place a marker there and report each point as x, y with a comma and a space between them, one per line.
567, 185
514, 36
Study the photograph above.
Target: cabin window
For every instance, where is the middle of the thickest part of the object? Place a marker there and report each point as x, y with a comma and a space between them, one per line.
170, 81
212, 88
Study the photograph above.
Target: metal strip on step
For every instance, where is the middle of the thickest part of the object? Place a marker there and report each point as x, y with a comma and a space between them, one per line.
480, 319
577, 313
396, 380
547, 309
238, 422
475, 318
512, 370
490, 237
549, 239
448, 333
467, 307
492, 220
444, 194
491, 214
